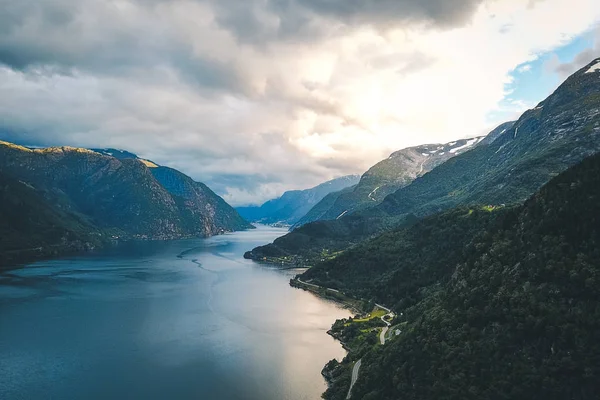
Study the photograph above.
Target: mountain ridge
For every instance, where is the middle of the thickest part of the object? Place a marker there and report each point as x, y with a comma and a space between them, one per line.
506, 292
400, 169
294, 204
125, 198
546, 140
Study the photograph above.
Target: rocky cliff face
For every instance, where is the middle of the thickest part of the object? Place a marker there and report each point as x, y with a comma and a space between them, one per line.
120, 195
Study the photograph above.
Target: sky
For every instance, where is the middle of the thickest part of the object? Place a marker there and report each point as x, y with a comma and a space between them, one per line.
255, 97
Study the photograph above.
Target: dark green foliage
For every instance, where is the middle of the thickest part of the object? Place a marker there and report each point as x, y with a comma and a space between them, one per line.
65, 198
404, 260
512, 313
129, 196
31, 227
200, 208
545, 141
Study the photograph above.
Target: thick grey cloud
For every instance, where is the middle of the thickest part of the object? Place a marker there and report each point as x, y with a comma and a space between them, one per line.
389, 12
261, 22
579, 61
195, 84
110, 35
99, 37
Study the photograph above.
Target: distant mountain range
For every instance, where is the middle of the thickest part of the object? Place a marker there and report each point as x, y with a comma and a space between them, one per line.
294, 204
505, 168
398, 170
85, 194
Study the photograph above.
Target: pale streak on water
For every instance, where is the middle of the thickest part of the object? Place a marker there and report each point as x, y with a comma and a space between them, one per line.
139, 322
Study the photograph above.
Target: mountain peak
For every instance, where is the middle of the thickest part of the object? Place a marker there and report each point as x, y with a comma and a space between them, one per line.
398, 170
46, 150
126, 195
594, 66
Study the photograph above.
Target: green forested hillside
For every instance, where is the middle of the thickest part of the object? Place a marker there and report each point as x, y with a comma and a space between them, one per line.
558, 133
130, 196
63, 198
397, 171
496, 303
32, 227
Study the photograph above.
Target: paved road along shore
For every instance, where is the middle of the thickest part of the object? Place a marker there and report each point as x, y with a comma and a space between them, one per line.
354, 377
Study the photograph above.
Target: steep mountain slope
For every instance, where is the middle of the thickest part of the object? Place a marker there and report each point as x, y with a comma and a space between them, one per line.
391, 174
118, 194
318, 211
202, 210
496, 303
398, 170
558, 133
31, 227
293, 205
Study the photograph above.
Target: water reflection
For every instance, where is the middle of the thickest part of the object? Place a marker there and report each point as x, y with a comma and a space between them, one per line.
141, 322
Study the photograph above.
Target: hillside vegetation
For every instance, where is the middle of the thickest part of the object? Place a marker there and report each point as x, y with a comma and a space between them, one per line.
497, 303
62, 198
558, 133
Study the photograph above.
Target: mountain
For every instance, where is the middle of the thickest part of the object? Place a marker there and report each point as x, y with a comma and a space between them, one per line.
398, 170
120, 154
492, 302
293, 205
202, 210
31, 227
128, 197
319, 210
558, 133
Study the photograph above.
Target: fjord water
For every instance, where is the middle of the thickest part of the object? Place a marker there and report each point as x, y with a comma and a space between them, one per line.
187, 319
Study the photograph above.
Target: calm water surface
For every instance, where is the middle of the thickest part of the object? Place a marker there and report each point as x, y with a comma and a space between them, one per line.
187, 319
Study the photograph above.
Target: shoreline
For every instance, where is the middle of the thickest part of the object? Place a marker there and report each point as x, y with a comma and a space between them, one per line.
331, 371
20, 258
335, 295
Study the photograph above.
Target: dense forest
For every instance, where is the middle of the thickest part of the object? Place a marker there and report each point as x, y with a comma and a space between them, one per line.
31, 227
496, 302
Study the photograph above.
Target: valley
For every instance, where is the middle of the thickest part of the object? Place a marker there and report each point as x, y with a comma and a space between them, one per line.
478, 254
162, 326
300, 200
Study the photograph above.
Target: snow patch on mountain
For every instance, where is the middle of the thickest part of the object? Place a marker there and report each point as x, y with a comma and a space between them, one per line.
342, 214
372, 193
594, 68
466, 145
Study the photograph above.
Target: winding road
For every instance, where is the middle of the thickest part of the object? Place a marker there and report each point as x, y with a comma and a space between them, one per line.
384, 330
354, 377
317, 286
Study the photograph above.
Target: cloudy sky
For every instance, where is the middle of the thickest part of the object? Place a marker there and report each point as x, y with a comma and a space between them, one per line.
254, 97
